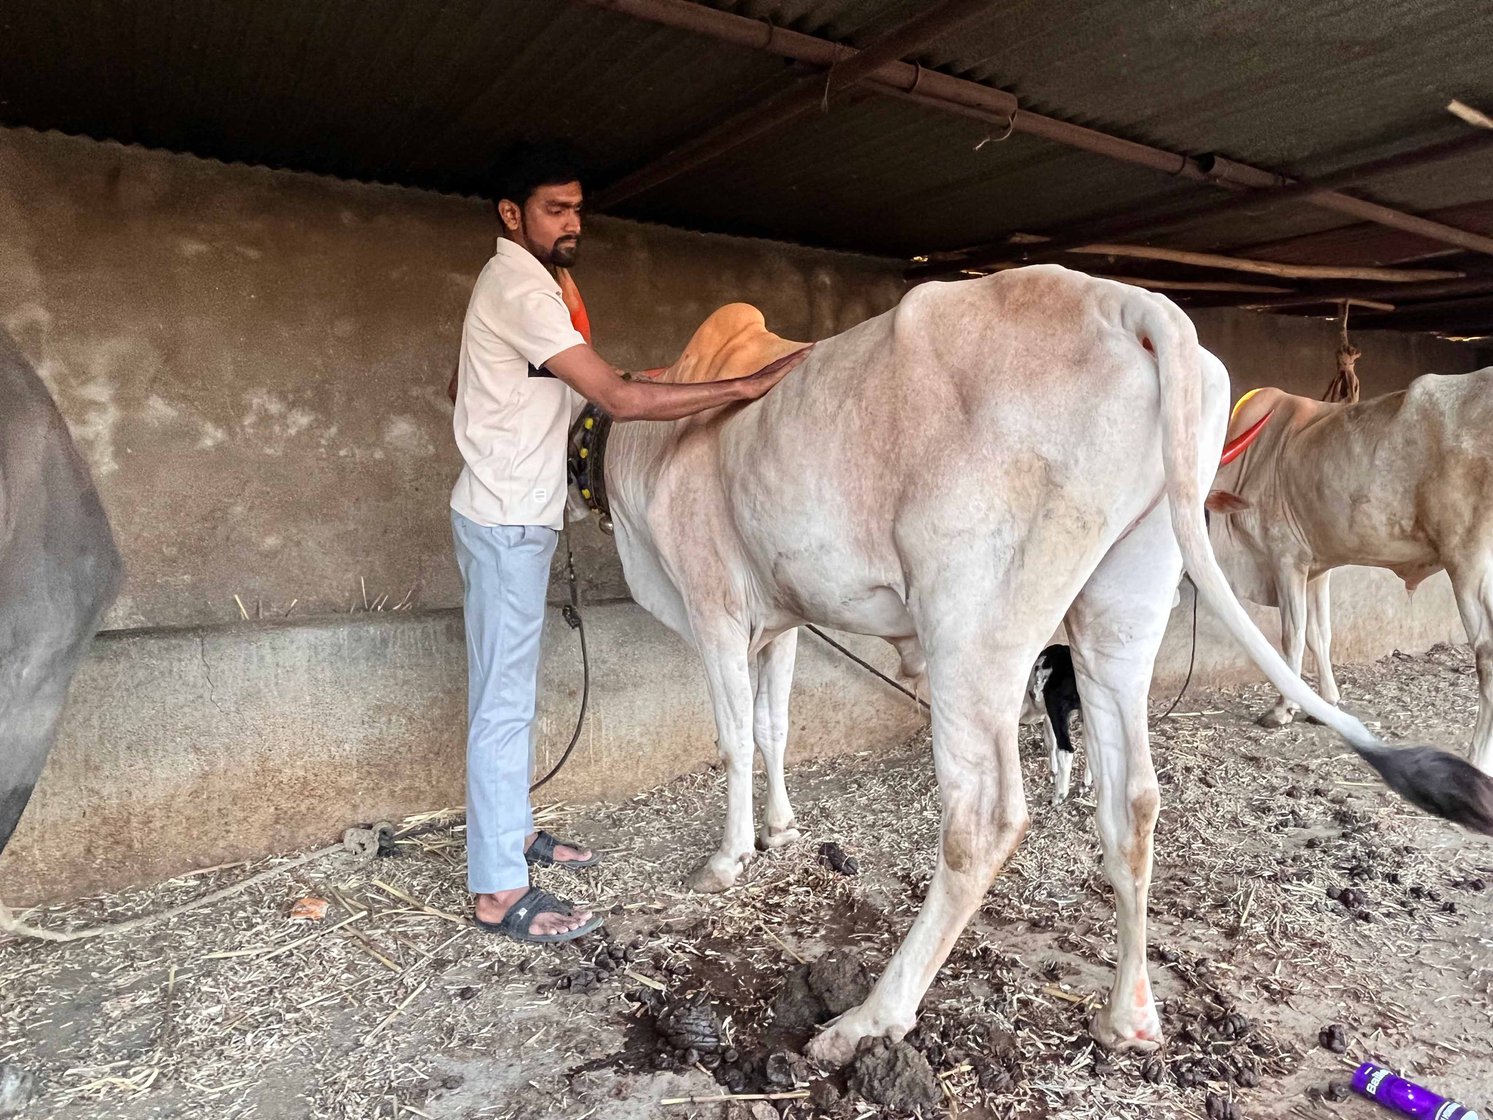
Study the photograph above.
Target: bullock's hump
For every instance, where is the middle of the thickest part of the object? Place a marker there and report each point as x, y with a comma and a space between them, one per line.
1255, 405
733, 341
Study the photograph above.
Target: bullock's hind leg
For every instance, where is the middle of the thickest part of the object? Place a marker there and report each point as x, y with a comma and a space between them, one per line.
728, 679
1116, 625
770, 727
984, 817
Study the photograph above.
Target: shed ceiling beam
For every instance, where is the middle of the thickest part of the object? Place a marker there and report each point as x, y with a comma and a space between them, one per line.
1306, 297
1159, 285
846, 70
1265, 268
967, 98
1456, 328
1367, 244
1143, 221
1446, 315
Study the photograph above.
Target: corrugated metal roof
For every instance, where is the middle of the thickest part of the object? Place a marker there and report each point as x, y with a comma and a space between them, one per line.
429, 93
403, 91
903, 179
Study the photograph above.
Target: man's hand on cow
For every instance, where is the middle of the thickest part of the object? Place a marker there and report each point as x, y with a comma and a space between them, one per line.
589, 374
757, 384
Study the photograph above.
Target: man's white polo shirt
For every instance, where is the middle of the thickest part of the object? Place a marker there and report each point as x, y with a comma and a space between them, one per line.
512, 415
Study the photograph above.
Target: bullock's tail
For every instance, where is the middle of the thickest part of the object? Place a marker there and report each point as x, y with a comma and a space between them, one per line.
1439, 782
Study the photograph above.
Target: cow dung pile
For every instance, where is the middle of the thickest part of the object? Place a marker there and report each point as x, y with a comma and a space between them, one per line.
814, 993
894, 1074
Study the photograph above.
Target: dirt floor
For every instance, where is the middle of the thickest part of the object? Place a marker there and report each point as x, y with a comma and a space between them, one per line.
1291, 895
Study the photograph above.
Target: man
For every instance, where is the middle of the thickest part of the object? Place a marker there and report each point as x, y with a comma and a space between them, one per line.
524, 367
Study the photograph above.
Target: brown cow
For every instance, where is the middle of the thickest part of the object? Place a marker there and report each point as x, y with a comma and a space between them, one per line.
1403, 481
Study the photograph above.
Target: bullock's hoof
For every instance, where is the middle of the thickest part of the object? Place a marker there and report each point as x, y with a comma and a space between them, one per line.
838, 1042
1276, 717
833, 1047
770, 838
1140, 1033
716, 874
1059, 796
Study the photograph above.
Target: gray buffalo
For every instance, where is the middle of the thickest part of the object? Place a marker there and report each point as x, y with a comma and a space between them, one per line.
59, 571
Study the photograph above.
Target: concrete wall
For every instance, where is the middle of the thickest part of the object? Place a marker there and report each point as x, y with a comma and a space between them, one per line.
197, 746
254, 364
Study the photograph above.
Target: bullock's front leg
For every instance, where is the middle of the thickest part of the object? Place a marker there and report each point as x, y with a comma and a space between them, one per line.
729, 682
1290, 586
1059, 762
770, 727
1319, 635
984, 817
1482, 737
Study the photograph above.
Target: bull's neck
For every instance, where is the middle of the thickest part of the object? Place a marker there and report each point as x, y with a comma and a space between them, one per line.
1275, 478
634, 450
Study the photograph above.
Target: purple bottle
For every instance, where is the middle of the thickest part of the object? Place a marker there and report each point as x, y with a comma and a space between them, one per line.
1406, 1097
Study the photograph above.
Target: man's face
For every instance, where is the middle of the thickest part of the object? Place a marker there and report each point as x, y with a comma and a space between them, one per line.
549, 224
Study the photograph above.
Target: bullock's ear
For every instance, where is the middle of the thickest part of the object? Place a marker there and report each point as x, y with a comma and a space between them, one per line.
1221, 501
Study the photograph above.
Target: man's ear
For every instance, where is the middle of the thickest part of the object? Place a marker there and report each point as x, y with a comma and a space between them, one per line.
509, 214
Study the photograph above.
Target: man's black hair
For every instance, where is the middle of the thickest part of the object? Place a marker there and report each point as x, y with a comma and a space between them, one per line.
533, 164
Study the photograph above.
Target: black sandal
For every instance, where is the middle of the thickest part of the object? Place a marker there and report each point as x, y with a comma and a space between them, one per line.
542, 853
516, 922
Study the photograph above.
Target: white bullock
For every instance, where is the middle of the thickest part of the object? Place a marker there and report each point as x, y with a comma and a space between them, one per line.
959, 476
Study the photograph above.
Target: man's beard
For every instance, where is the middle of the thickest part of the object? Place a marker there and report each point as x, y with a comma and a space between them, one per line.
564, 252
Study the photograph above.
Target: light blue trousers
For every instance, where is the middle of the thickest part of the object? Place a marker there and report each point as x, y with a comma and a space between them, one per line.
505, 569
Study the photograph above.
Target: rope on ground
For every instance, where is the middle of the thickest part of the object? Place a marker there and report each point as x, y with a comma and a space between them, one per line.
15, 927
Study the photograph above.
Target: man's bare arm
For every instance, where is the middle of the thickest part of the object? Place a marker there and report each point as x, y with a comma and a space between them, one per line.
596, 379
